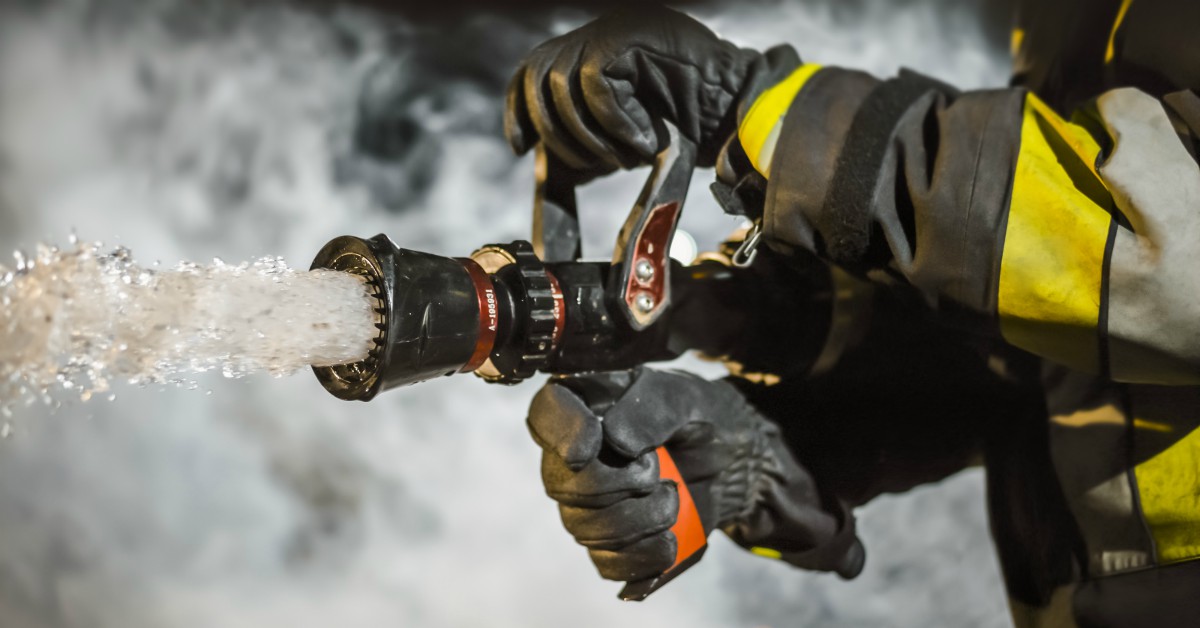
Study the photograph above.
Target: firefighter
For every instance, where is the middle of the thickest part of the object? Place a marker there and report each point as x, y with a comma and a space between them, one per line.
1035, 251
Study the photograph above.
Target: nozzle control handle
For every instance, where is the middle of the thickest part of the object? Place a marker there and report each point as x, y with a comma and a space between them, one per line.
641, 262
639, 288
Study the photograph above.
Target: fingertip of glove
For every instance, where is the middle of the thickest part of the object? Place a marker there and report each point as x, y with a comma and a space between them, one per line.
560, 422
516, 140
853, 561
518, 128
646, 558
521, 140
646, 144
782, 55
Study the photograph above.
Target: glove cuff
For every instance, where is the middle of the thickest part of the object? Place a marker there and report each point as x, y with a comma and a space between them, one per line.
740, 188
768, 503
844, 554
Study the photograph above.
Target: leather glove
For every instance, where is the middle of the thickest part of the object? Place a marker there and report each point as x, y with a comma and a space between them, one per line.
594, 95
603, 472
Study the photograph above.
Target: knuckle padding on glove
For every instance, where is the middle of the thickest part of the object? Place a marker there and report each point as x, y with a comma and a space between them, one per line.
667, 408
546, 118
599, 483
625, 522
645, 558
593, 95
569, 100
620, 108
660, 94
654, 408
560, 422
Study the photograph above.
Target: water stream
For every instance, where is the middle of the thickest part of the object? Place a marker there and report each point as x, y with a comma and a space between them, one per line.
75, 320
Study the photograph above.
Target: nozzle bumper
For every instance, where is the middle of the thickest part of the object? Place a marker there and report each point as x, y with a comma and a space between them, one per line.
428, 311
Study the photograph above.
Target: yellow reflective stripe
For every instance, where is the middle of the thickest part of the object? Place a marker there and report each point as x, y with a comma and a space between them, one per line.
1106, 415
1169, 488
1108, 52
1015, 40
766, 115
1050, 272
766, 552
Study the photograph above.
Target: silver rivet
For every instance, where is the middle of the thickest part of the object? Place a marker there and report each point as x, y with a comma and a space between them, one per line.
644, 302
644, 270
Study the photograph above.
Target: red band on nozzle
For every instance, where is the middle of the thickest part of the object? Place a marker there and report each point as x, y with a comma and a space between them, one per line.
489, 315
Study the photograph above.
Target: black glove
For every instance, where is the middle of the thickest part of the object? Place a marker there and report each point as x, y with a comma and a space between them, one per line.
593, 95
605, 476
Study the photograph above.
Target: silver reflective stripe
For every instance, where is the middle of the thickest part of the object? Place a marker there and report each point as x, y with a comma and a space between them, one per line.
1090, 448
1113, 562
1154, 280
767, 153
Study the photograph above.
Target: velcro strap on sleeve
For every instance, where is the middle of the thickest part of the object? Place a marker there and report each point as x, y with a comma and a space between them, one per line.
847, 227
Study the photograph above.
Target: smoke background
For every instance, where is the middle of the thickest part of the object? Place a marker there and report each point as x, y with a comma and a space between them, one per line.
187, 130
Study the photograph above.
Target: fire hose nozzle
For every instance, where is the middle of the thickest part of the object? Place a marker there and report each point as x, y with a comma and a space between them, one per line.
505, 315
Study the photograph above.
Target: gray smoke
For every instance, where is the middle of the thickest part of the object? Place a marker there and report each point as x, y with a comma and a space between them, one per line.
188, 130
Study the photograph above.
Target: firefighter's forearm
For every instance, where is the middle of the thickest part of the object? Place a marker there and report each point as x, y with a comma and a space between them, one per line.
1005, 217
905, 178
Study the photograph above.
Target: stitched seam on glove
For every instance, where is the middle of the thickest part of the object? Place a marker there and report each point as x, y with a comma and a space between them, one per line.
707, 130
740, 489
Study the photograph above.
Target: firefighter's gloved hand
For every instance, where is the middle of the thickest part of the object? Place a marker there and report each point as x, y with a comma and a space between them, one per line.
594, 95
603, 472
